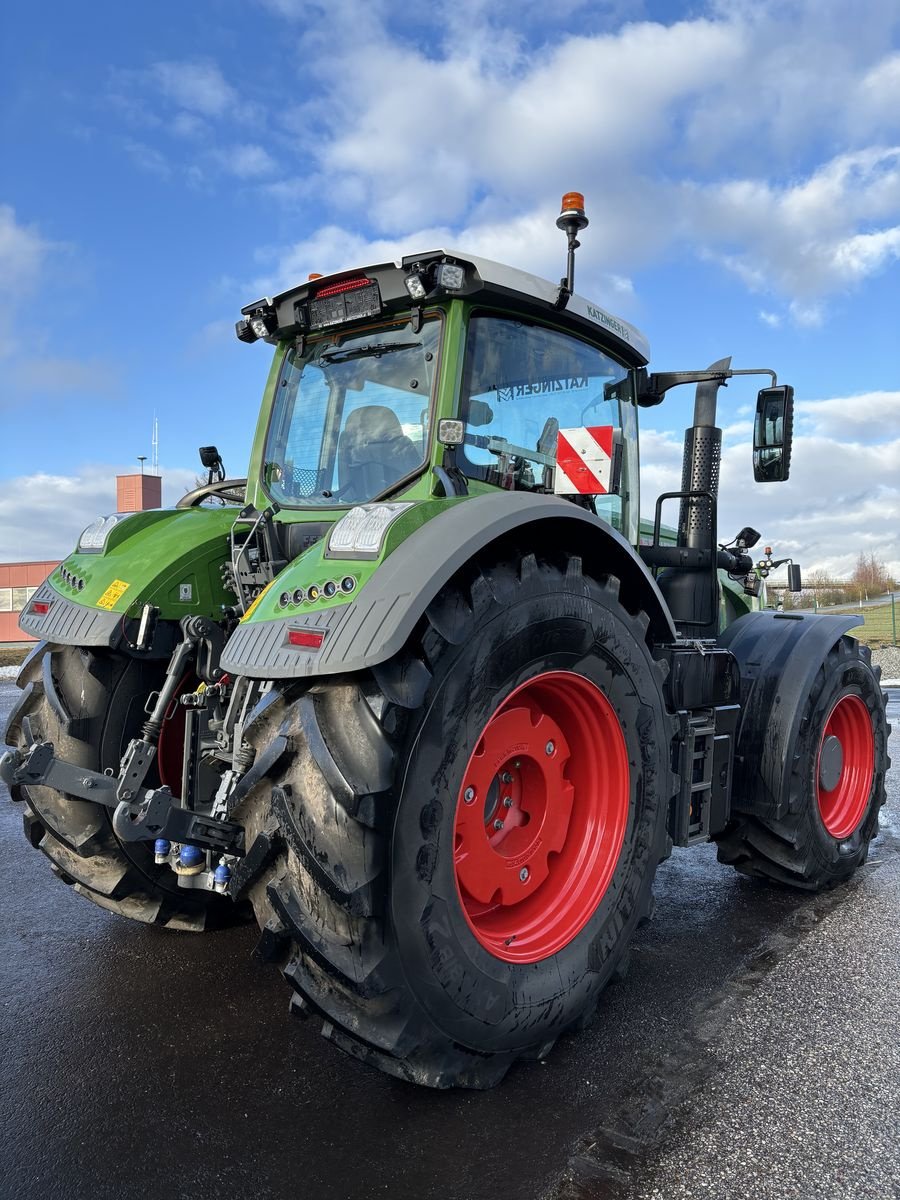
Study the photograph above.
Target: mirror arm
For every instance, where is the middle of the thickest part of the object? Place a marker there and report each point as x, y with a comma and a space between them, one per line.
651, 388
759, 371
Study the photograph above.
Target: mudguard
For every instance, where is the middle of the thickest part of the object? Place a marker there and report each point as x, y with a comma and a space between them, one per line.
779, 655
376, 624
170, 558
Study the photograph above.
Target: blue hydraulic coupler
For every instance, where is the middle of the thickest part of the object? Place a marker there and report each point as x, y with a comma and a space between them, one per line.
162, 847
222, 877
191, 859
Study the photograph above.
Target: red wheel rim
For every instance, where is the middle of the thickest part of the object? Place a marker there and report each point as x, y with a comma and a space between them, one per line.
170, 748
541, 817
843, 800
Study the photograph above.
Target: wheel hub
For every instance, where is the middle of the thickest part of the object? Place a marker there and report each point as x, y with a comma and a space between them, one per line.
516, 826
846, 767
831, 763
541, 816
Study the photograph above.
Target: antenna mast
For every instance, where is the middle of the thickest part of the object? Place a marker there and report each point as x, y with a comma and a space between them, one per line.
154, 461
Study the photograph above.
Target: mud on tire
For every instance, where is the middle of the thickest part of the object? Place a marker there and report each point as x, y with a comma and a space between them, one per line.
89, 704
352, 850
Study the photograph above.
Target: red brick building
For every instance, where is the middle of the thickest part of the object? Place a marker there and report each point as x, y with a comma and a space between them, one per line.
18, 581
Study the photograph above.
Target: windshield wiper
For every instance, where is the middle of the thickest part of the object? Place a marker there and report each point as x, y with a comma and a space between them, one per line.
374, 348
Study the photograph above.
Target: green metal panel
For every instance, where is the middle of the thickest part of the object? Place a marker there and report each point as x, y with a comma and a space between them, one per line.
155, 557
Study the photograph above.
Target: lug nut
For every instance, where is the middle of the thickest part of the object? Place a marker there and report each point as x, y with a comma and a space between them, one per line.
523, 874
506, 777
469, 795
507, 801
498, 824
550, 747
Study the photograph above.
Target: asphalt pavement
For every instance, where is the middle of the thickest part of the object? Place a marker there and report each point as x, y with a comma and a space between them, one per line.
752, 1050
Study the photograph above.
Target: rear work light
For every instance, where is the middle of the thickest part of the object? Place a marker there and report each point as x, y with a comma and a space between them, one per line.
309, 639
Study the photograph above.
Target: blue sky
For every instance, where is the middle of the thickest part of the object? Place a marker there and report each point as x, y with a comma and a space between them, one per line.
165, 163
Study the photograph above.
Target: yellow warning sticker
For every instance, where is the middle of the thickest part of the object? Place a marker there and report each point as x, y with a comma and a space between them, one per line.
113, 593
249, 613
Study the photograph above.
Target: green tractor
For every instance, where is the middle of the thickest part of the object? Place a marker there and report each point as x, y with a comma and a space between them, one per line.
422, 691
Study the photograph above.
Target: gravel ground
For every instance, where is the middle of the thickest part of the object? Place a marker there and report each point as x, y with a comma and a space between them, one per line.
888, 658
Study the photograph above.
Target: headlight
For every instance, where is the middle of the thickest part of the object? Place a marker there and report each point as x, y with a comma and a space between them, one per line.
94, 537
362, 530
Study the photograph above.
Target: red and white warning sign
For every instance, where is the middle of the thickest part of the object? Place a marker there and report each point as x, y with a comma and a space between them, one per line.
584, 460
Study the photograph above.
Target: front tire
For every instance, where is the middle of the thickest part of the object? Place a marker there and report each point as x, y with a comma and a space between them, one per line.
417, 966
819, 834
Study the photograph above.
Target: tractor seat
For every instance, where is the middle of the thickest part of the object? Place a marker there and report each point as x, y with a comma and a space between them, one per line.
373, 453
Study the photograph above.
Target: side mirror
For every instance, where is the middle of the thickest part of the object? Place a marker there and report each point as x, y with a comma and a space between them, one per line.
772, 434
211, 459
795, 584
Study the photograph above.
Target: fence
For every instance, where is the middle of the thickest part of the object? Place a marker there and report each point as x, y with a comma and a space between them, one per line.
879, 616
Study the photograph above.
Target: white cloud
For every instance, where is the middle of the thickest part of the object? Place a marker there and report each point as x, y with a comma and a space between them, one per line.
189, 125
867, 417
773, 320
247, 161
148, 158
520, 130
23, 253
803, 238
501, 124
879, 91
531, 241
196, 86
843, 495
42, 515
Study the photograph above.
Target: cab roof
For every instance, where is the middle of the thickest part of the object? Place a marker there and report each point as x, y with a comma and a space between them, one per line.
485, 279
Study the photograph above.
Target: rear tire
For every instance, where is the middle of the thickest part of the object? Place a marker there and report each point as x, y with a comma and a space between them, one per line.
89, 704
362, 907
839, 755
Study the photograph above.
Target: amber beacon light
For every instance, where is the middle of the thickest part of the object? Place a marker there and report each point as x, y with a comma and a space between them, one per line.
571, 220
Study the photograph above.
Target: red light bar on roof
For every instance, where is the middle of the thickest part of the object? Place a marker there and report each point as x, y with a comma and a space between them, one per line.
346, 285
309, 639
348, 300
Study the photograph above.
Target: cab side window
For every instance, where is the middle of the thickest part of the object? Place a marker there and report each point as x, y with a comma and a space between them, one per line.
522, 383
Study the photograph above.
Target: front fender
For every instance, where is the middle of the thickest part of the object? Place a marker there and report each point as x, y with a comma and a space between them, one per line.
170, 558
779, 655
375, 624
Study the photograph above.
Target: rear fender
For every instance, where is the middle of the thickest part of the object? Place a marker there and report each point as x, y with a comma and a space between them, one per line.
376, 624
170, 558
779, 655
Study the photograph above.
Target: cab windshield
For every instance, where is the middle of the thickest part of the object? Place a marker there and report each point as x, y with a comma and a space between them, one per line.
351, 415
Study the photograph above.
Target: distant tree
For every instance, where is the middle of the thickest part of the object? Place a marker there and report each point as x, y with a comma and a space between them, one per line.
870, 576
825, 591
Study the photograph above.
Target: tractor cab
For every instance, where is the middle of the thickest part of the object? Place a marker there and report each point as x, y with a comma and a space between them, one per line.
443, 375
441, 372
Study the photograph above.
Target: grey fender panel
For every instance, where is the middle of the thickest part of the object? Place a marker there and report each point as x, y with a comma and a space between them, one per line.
377, 623
70, 624
779, 656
